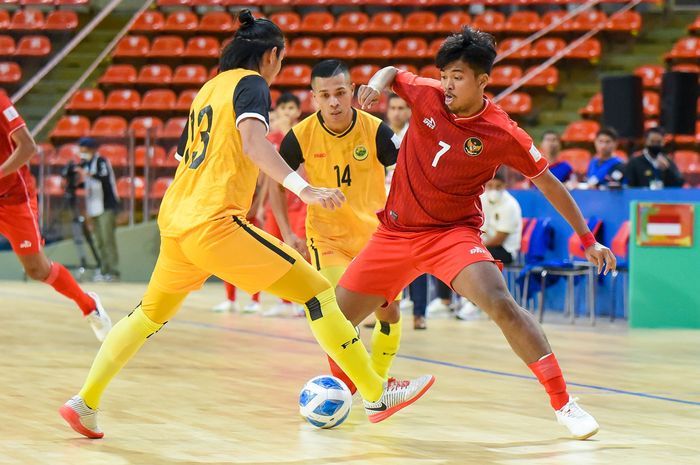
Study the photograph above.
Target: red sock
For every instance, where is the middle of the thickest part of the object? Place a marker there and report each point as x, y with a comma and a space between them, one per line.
230, 291
549, 374
60, 279
256, 297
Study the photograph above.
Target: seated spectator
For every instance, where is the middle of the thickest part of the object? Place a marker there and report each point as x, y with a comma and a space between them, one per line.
550, 148
605, 170
652, 167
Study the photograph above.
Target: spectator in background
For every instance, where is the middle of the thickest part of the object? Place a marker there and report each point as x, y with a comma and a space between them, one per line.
605, 169
285, 115
101, 204
550, 148
652, 167
398, 114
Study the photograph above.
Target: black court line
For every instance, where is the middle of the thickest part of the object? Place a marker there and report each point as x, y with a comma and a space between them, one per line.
439, 362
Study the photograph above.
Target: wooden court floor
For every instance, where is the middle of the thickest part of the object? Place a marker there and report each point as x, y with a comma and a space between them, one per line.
222, 389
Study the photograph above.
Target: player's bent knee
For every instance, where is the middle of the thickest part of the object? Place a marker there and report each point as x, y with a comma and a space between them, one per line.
37, 272
501, 307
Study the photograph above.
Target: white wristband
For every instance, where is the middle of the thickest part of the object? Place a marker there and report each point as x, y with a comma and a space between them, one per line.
295, 183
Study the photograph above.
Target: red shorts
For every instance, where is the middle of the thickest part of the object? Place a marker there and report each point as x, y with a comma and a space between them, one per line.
297, 221
20, 225
392, 260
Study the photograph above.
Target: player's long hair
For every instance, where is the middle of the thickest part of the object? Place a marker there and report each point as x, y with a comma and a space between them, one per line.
474, 47
252, 39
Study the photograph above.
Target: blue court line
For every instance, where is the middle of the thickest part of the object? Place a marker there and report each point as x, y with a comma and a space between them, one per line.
438, 362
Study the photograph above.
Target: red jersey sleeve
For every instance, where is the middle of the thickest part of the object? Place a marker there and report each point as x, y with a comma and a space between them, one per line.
10, 120
408, 86
523, 155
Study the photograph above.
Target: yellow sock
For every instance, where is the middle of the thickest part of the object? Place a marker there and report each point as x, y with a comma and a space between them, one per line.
122, 342
338, 338
386, 338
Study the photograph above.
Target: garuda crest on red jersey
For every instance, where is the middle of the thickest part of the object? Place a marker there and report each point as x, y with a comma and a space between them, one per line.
473, 146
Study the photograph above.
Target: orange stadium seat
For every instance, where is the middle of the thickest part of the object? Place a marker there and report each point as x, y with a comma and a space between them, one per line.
505, 75
71, 127
523, 22
287, 21
108, 127
294, 75
28, 19
695, 27
123, 100
579, 159
36, 2
547, 78
181, 21
687, 48
65, 154
589, 49
149, 21
72, 3
86, 100
189, 75
158, 156
48, 151
361, 74
687, 67
274, 95
554, 17
430, 71
452, 21
584, 22
160, 185
546, 48
594, 107
352, 22
53, 185
689, 140
306, 47
7, 46
341, 47
420, 22
170, 160
61, 20
10, 73
523, 49
405, 67
158, 100
306, 100
33, 46
651, 104
410, 48
131, 47
119, 75
167, 47
203, 47
154, 75
580, 131
490, 21
217, 22
115, 153
375, 48
386, 22
629, 22
517, 104
4, 20
435, 46
651, 75
124, 187
687, 160
319, 21
142, 124
173, 128
185, 99
169, 3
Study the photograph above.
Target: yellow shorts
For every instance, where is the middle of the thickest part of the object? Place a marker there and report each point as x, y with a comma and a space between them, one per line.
229, 248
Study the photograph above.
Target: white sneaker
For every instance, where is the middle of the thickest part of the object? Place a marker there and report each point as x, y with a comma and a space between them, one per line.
437, 306
397, 395
253, 307
225, 306
281, 309
581, 424
468, 311
81, 418
98, 318
405, 304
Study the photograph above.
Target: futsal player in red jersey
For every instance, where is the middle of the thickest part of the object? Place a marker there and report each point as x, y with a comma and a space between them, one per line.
456, 141
18, 218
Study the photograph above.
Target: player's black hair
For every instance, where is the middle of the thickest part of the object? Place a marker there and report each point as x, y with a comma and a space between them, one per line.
288, 97
253, 38
329, 68
654, 130
551, 132
474, 47
608, 131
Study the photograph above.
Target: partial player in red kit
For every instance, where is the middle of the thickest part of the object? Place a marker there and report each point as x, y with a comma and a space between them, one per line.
456, 141
18, 218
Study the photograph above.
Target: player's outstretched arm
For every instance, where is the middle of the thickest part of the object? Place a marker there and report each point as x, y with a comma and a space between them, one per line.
263, 154
25, 149
560, 198
368, 95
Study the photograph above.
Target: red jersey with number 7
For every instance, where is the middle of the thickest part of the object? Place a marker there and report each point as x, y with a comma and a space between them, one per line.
16, 187
445, 160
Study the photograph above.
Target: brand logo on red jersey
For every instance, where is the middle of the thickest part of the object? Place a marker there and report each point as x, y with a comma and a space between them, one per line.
320, 155
430, 122
477, 250
473, 146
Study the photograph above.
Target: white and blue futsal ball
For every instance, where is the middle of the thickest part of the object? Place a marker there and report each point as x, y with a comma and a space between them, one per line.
325, 401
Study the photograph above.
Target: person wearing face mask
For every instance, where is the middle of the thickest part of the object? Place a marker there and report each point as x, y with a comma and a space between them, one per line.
101, 203
653, 168
503, 220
